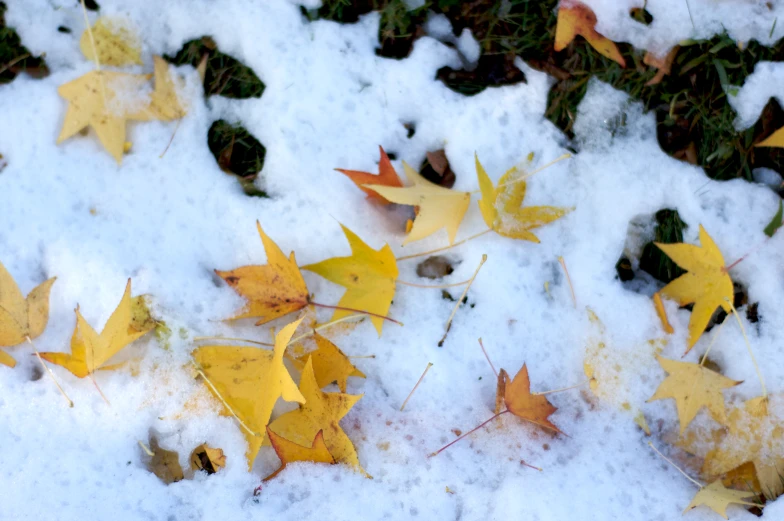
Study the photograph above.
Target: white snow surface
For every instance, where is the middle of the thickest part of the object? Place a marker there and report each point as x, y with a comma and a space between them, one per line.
70, 211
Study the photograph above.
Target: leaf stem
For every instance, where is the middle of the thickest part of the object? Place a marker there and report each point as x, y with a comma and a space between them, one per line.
488, 358
49, 371
458, 243
748, 346
437, 286
563, 388
529, 174
460, 300
668, 460
713, 341
429, 365
362, 311
223, 401
442, 449
568, 279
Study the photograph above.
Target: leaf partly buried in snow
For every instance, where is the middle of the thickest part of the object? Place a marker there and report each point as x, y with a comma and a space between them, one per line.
208, 459
320, 412
439, 207
164, 463
103, 100
776, 222
368, 275
519, 400
250, 380
290, 452
502, 208
272, 290
89, 350
716, 497
706, 284
754, 436
576, 18
164, 104
115, 42
330, 364
386, 177
693, 387
21, 317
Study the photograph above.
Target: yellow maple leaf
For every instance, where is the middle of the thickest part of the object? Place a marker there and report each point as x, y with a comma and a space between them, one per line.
576, 18
706, 284
693, 387
512, 220
164, 104
439, 207
320, 412
290, 452
272, 290
330, 364
368, 275
774, 140
21, 317
89, 350
754, 436
250, 381
97, 100
114, 41
716, 497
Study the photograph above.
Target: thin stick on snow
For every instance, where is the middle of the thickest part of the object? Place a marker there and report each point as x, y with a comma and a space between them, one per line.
462, 296
49, 371
429, 365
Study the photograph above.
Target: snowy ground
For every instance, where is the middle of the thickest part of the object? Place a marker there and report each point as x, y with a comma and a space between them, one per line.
69, 211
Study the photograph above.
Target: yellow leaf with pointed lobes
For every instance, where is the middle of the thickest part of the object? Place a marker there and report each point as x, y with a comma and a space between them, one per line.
716, 497
89, 350
439, 207
320, 412
368, 275
706, 284
250, 380
330, 364
21, 317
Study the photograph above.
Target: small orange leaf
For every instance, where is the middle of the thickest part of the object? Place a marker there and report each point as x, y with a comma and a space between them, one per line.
386, 177
290, 452
663, 64
575, 18
522, 403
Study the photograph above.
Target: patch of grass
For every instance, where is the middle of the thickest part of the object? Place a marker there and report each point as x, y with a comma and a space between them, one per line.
14, 57
238, 153
224, 75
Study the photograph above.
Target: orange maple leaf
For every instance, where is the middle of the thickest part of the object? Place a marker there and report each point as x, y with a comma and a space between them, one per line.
576, 18
519, 400
290, 452
272, 290
386, 177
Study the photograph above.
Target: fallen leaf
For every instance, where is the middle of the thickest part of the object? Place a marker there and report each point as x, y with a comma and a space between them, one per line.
706, 284
501, 206
21, 317
754, 436
576, 18
522, 403
208, 459
439, 207
662, 313
662, 63
250, 380
164, 463
693, 387
272, 290
320, 412
115, 43
776, 222
290, 452
330, 364
386, 177
368, 275
89, 350
164, 104
102, 100
718, 498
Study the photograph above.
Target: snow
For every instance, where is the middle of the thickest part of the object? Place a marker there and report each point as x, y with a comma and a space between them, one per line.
69, 211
